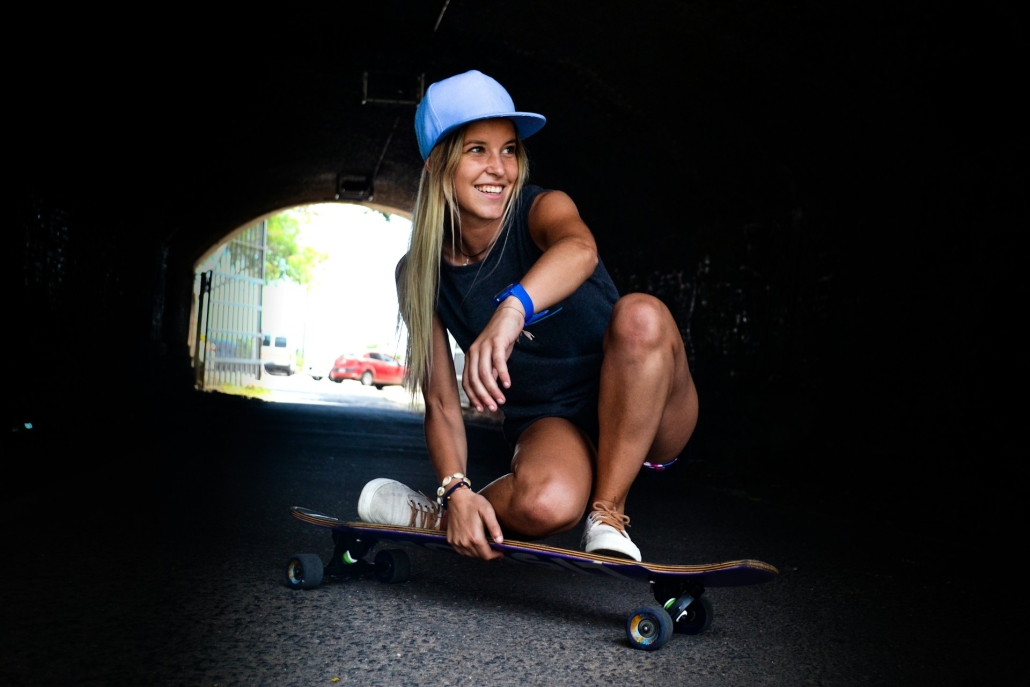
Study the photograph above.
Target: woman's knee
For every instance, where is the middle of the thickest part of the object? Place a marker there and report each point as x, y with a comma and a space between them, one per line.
640, 321
547, 509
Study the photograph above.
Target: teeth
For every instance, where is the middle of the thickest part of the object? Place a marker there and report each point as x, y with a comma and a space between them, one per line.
489, 189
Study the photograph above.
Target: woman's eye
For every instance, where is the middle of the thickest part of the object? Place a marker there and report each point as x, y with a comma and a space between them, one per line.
475, 149
509, 150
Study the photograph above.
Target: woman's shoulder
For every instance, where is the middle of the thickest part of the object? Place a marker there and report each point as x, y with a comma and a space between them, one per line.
551, 202
533, 196
552, 217
531, 193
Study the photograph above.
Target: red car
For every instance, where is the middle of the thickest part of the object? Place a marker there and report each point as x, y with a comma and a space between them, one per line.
371, 369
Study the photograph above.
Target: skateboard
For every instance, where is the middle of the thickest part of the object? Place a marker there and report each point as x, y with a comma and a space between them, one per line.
678, 589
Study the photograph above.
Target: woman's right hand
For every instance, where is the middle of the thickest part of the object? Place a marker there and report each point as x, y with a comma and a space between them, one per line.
486, 362
470, 519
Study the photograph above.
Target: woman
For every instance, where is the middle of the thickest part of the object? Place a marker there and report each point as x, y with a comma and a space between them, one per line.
592, 386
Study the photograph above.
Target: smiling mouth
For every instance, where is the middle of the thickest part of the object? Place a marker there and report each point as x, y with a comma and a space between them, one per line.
492, 190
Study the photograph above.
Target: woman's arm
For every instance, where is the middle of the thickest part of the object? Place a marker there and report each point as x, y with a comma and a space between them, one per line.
570, 252
469, 515
569, 258
444, 425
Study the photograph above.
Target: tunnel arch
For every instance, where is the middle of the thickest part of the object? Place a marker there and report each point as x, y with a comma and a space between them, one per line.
404, 212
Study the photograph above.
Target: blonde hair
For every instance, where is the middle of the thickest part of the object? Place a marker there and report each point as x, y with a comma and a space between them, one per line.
419, 284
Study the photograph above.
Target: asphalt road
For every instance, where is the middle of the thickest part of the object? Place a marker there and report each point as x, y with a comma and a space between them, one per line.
302, 388
174, 576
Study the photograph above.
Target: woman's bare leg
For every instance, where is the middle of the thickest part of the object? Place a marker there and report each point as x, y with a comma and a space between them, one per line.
648, 404
547, 490
647, 411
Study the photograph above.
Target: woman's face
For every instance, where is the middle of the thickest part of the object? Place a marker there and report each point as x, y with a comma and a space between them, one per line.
487, 171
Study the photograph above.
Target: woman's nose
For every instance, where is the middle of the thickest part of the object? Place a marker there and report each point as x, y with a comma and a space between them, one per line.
494, 164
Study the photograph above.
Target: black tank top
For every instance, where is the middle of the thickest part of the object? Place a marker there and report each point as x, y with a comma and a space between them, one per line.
557, 372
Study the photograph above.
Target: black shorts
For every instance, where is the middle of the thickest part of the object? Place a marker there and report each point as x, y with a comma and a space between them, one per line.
585, 418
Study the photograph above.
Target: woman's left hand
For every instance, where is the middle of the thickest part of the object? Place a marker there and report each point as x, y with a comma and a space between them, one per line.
486, 363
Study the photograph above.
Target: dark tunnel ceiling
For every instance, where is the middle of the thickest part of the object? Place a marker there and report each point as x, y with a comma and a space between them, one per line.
709, 112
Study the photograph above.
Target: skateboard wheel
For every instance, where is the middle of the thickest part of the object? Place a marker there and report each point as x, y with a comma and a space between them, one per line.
392, 566
649, 628
698, 617
304, 571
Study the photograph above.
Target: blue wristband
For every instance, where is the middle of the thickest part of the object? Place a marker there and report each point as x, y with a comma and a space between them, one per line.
520, 293
527, 303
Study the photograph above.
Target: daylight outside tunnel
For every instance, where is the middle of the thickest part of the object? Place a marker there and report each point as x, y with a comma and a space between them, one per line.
277, 303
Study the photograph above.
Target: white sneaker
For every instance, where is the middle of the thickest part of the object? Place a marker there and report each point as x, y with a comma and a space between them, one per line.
388, 502
605, 534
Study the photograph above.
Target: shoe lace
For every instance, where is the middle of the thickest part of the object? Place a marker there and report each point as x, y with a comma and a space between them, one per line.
608, 516
424, 515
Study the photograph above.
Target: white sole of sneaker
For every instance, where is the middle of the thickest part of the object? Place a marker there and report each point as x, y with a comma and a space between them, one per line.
611, 543
614, 554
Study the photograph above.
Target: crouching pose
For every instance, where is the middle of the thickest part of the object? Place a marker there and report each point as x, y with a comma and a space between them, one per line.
592, 386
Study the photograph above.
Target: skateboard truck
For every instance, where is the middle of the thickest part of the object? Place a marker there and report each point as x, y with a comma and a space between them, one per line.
390, 565
348, 552
691, 613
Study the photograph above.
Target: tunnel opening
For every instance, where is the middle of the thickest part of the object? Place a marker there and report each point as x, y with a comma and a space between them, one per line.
300, 306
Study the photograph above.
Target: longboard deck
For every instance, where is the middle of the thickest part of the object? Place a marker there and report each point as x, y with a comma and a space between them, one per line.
725, 574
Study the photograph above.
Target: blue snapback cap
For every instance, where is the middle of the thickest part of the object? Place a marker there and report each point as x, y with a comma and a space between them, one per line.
462, 99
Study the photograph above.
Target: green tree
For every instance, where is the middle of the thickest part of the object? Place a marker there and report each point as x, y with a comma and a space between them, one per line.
285, 258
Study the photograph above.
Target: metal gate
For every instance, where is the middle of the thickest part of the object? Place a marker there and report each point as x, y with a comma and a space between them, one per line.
227, 340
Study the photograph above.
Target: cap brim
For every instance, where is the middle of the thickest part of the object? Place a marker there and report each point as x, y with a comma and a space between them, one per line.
526, 123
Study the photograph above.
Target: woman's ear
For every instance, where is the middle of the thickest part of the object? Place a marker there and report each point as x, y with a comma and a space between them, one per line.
429, 163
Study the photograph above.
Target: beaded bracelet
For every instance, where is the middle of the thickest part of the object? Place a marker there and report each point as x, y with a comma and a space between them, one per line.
447, 480
442, 501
